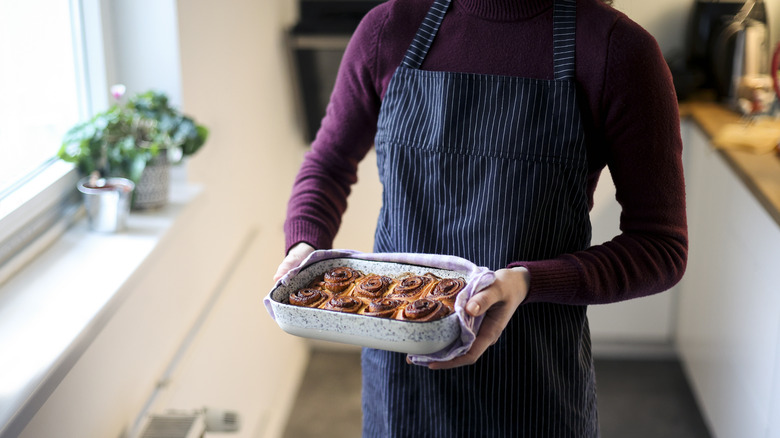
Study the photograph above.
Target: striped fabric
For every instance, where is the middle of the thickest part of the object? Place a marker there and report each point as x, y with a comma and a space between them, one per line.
491, 169
458, 153
563, 34
424, 38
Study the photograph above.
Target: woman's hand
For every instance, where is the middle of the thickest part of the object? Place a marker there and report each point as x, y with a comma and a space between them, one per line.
294, 258
498, 302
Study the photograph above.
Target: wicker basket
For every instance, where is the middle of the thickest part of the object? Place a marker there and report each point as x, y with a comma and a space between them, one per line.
153, 186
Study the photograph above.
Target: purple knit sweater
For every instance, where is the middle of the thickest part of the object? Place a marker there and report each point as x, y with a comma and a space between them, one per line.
630, 115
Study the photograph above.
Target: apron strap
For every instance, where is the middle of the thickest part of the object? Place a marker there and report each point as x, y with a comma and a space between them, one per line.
564, 19
425, 34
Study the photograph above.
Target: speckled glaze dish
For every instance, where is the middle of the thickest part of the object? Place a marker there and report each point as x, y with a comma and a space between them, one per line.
366, 331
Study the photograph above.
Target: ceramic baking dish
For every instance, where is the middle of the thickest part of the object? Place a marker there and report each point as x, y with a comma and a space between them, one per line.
366, 331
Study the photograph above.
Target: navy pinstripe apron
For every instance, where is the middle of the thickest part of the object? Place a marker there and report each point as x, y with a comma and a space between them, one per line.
492, 169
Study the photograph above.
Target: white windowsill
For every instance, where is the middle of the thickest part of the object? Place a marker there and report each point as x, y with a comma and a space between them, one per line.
53, 308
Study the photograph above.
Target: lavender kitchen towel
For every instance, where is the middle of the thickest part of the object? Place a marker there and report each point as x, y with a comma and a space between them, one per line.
477, 278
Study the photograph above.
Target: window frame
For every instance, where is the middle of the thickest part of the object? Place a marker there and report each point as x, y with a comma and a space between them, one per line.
37, 209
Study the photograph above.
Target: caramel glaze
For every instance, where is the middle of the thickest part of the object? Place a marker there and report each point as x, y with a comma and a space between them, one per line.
423, 310
408, 297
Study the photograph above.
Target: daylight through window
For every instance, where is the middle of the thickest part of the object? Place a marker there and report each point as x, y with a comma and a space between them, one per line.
39, 84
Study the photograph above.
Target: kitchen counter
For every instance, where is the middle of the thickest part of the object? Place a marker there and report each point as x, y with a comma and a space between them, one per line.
759, 172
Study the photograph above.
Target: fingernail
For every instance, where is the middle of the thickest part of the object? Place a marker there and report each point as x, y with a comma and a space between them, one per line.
473, 308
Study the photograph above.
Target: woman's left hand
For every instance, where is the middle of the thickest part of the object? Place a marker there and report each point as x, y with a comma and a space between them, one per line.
498, 302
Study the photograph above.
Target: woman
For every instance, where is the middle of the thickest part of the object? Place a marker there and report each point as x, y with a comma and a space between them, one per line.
492, 120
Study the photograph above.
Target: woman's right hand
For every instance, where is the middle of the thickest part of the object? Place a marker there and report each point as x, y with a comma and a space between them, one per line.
294, 258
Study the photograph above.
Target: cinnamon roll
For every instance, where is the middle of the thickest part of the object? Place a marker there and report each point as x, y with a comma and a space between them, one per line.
383, 307
308, 297
372, 286
446, 290
424, 310
409, 297
344, 303
411, 287
339, 279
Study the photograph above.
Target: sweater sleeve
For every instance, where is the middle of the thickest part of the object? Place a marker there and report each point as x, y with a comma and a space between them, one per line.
320, 190
643, 150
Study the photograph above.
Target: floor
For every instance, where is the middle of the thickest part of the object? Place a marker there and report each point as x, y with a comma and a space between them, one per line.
646, 399
637, 398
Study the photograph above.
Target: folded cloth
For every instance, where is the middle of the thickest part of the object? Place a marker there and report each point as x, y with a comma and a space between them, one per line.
760, 136
477, 279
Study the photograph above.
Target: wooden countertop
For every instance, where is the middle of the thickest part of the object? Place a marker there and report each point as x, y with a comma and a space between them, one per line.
759, 172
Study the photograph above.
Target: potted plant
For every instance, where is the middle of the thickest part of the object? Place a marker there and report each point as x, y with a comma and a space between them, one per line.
136, 140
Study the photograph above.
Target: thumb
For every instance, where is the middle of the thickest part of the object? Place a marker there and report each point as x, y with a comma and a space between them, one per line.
482, 301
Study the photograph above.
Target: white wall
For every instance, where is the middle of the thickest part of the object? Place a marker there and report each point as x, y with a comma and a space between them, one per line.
230, 75
666, 20
149, 59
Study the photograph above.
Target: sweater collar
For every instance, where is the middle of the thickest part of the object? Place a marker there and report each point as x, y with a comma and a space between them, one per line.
504, 10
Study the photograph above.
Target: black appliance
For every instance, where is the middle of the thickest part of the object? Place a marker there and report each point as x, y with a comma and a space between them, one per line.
316, 45
709, 56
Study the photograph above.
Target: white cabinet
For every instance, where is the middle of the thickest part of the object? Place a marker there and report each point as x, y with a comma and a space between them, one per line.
729, 299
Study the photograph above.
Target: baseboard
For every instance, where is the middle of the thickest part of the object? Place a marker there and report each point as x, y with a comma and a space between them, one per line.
621, 349
602, 349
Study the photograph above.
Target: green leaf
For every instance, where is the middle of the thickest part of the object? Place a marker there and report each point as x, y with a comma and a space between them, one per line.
137, 167
122, 139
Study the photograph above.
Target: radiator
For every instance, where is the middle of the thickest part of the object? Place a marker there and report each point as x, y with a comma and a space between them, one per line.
192, 424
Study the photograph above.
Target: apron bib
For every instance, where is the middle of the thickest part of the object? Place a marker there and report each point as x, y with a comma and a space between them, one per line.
492, 169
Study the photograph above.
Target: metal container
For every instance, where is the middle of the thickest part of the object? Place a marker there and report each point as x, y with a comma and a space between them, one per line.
741, 49
107, 202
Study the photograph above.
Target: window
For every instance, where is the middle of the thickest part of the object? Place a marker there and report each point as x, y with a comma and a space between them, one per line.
44, 90
38, 83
